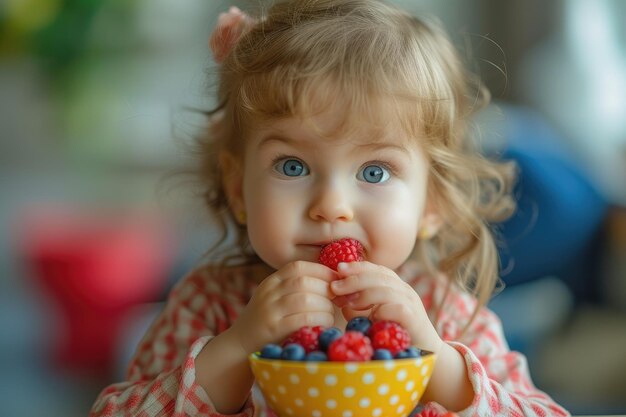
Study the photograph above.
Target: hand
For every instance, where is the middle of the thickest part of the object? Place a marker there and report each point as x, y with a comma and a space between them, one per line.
296, 295
364, 288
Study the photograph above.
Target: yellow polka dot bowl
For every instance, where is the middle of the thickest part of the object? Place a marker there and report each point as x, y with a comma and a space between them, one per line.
389, 388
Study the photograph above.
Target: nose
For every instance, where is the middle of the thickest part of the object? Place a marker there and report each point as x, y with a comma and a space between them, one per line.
331, 203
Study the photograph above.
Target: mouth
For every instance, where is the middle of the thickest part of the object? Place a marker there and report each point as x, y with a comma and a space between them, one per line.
320, 244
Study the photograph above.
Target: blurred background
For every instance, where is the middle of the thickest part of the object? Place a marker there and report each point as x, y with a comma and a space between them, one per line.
96, 104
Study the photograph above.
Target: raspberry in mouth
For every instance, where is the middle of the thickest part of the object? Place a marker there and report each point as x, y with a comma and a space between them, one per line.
342, 250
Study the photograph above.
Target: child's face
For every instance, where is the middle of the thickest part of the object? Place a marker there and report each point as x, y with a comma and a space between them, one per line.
301, 191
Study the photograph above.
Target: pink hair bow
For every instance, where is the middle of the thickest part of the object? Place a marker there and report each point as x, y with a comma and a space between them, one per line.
230, 27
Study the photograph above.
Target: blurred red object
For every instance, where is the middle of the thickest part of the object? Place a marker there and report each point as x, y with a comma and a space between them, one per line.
95, 268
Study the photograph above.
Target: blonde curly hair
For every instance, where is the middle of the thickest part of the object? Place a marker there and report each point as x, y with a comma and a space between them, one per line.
374, 54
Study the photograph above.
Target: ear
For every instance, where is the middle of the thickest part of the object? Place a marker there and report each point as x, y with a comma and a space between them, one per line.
232, 181
431, 221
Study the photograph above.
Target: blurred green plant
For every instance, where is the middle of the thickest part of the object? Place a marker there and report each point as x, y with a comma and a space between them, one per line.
56, 32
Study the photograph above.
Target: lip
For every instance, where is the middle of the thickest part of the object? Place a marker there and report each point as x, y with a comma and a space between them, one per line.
313, 245
323, 243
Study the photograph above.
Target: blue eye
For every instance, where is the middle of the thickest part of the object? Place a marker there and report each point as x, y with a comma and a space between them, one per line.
291, 168
373, 174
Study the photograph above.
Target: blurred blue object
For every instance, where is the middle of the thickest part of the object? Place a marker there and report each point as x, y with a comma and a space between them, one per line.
560, 211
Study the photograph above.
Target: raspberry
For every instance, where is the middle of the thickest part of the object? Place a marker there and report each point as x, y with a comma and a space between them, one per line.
426, 412
386, 334
352, 346
305, 336
343, 250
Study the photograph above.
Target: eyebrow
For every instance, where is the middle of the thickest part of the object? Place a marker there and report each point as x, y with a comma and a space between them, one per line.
383, 146
374, 146
274, 137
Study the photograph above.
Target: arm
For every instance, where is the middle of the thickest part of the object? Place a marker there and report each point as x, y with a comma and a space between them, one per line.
500, 378
479, 378
162, 374
214, 378
298, 294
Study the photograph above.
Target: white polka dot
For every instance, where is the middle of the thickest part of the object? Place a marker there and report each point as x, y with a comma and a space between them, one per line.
282, 389
313, 392
348, 392
295, 379
401, 375
299, 402
377, 412
383, 389
266, 375
400, 409
346, 413
276, 366
424, 370
414, 396
364, 402
409, 386
331, 404
316, 413
351, 367
289, 411
330, 380
311, 367
418, 362
425, 381
393, 400
389, 365
274, 398
368, 378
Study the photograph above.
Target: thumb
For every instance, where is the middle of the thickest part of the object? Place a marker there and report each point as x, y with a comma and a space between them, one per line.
349, 313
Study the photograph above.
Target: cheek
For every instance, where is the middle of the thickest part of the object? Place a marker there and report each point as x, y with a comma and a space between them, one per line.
271, 222
393, 228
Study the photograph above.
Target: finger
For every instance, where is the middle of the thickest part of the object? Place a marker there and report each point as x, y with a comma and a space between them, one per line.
308, 318
349, 313
352, 268
395, 312
360, 282
303, 302
306, 284
304, 268
372, 296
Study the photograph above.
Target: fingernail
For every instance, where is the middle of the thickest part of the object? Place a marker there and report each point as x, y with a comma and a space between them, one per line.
342, 266
336, 284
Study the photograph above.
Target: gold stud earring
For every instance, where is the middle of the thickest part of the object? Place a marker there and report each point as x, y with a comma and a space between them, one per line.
425, 233
242, 217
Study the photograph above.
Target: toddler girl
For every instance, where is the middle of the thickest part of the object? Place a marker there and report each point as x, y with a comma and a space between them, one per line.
338, 119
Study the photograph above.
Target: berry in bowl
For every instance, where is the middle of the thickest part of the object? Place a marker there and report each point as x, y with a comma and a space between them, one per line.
369, 370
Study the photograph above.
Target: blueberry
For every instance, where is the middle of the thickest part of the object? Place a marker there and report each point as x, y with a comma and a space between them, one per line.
410, 352
316, 356
414, 352
293, 352
403, 354
328, 336
359, 324
271, 351
382, 354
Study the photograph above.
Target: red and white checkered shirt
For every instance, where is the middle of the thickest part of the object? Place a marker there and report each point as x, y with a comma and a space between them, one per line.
161, 376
